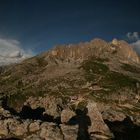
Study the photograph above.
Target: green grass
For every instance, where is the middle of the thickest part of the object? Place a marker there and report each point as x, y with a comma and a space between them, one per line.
94, 69
110, 79
41, 61
115, 81
16, 101
130, 68
100, 59
19, 96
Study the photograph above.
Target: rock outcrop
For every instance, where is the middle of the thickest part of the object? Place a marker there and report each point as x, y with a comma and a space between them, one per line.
13, 126
98, 129
96, 47
125, 51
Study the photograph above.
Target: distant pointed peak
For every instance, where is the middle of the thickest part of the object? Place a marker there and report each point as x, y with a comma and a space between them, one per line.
115, 42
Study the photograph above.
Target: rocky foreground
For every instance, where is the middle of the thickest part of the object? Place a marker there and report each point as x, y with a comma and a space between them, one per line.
87, 91
84, 123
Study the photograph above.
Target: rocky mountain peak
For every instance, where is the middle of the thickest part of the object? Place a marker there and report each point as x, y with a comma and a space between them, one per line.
96, 47
125, 51
115, 42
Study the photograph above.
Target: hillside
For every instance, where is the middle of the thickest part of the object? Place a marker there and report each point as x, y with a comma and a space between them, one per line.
102, 77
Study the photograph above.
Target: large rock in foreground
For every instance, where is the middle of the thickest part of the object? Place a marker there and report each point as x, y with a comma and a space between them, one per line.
98, 128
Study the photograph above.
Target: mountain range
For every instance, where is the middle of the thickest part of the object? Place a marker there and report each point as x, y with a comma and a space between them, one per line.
98, 76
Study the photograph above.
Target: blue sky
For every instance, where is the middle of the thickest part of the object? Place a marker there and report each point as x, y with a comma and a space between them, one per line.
38, 25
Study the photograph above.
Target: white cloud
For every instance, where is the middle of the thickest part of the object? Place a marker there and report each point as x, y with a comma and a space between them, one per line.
137, 46
11, 51
133, 36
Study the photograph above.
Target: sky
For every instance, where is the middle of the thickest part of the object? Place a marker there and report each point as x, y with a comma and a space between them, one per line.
29, 27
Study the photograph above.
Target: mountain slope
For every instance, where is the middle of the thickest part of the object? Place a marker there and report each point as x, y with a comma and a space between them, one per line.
106, 73
70, 67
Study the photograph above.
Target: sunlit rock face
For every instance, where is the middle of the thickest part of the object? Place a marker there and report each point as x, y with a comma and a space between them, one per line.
118, 49
125, 51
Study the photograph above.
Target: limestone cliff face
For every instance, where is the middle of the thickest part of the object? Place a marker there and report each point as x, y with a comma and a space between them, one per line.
78, 51
97, 48
125, 51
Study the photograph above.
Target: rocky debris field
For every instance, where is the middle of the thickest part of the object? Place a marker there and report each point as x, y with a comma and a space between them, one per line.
83, 121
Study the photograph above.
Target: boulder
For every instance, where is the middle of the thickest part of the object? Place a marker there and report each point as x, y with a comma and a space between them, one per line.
113, 115
98, 128
18, 129
51, 105
35, 126
69, 131
50, 131
3, 129
66, 115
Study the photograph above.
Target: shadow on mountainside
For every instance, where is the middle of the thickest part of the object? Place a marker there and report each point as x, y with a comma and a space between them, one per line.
124, 130
28, 113
83, 122
10, 139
